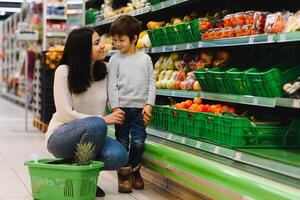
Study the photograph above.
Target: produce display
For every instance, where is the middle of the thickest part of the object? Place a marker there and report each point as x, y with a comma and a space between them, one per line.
221, 25
53, 56
176, 71
293, 89
225, 125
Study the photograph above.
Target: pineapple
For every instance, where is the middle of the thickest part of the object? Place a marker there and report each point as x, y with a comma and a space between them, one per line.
84, 153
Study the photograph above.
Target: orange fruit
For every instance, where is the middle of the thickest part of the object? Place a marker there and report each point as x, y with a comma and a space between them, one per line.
188, 103
197, 100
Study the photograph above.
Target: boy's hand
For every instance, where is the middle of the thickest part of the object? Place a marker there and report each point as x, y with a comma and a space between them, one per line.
147, 114
116, 109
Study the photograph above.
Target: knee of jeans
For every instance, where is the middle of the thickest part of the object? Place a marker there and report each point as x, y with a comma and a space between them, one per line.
98, 124
118, 158
137, 143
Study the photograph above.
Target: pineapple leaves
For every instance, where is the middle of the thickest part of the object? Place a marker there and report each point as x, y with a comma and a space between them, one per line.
85, 153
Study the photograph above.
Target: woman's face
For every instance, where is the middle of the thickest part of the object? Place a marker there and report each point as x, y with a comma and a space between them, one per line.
97, 48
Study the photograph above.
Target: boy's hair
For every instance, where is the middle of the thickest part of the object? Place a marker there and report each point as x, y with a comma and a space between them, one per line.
126, 25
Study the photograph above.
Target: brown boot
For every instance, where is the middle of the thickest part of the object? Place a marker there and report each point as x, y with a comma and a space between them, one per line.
125, 180
137, 179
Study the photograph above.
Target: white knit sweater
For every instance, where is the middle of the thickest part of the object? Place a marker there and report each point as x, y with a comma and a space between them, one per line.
70, 107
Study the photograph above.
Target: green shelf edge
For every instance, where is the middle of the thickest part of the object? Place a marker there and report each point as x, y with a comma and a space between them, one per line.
210, 178
272, 163
243, 99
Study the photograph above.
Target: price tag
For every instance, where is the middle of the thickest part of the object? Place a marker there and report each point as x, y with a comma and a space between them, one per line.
282, 37
183, 140
163, 4
169, 137
198, 144
237, 156
270, 38
173, 93
174, 48
164, 49
188, 46
296, 103
255, 100
202, 95
217, 150
251, 40
200, 44
174, 2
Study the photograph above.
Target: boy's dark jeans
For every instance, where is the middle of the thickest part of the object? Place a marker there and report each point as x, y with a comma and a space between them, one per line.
135, 127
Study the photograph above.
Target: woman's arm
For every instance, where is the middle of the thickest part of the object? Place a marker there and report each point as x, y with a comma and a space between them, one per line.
63, 98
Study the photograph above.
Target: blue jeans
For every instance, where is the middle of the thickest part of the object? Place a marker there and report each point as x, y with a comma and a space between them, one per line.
135, 127
62, 142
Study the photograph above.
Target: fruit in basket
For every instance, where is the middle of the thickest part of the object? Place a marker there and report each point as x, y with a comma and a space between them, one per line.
159, 63
154, 25
293, 23
187, 18
85, 153
204, 60
196, 86
205, 24
197, 100
177, 21
221, 58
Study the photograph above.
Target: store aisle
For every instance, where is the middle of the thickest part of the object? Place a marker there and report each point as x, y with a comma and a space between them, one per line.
16, 146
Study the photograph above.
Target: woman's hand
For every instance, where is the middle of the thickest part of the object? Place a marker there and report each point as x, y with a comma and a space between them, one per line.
116, 117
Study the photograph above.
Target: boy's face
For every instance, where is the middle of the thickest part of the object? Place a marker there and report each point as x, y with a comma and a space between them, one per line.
122, 43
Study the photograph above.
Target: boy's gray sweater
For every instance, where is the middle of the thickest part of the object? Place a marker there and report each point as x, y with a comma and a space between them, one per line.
131, 80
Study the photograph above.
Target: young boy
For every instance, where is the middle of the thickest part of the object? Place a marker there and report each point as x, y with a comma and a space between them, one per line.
131, 87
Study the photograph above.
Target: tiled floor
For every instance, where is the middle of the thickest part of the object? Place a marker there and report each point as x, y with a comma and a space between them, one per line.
16, 146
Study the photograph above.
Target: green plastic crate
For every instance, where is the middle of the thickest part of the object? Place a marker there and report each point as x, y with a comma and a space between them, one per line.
205, 83
152, 38
196, 32
237, 82
242, 133
194, 123
160, 36
269, 83
90, 16
185, 32
63, 181
172, 35
159, 119
176, 120
217, 77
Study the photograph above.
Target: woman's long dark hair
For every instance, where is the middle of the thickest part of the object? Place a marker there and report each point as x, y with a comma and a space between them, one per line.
77, 55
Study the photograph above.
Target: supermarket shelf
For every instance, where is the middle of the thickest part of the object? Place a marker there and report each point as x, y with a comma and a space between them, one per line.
140, 11
275, 164
247, 40
56, 34
166, 4
288, 37
242, 99
56, 17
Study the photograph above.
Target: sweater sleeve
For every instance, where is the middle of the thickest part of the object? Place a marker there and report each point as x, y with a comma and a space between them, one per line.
151, 83
63, 97
113, 95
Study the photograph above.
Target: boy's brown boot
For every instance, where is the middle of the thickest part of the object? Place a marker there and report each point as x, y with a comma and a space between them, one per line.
137, 179
125, 180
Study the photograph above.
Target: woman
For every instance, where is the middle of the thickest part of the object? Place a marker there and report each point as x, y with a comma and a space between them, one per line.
80, 95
